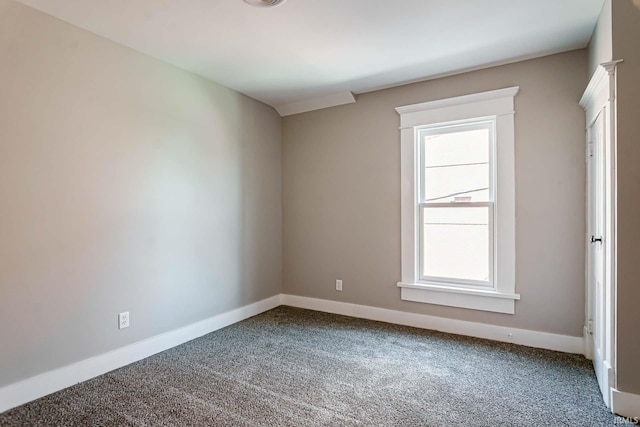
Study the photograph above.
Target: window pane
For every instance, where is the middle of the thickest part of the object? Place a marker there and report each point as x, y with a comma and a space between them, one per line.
455, 243
457, 165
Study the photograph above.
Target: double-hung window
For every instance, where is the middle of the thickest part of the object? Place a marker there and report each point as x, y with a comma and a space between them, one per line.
458, 202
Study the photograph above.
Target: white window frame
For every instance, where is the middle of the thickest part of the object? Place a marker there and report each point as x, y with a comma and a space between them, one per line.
497, 105
441, 129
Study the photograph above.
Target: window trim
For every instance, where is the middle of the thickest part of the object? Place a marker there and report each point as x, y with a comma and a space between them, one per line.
500, 105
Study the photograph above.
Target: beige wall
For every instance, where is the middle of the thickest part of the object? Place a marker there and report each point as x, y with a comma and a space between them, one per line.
341, 194
125, 184
626, 34
600, 47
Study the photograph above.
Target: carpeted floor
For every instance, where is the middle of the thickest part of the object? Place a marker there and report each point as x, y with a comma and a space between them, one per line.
293, 367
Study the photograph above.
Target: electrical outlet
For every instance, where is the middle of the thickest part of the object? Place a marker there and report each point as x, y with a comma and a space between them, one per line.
338, 285
123, 320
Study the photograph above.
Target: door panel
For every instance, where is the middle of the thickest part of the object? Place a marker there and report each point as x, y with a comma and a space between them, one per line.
597, 282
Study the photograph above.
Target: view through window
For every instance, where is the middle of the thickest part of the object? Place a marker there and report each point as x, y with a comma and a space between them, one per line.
456, 203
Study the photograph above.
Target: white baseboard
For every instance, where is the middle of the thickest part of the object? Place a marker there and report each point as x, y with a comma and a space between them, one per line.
564, 343
625, 404
41, 385
588, 343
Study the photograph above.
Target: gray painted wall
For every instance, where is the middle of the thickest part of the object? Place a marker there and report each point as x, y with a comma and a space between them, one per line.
626, 33
341, 194
125, 184
600, 47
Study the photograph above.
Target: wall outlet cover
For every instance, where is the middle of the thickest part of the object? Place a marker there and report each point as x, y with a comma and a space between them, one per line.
123, 320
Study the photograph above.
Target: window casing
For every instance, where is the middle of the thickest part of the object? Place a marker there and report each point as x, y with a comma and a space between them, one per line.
458, 201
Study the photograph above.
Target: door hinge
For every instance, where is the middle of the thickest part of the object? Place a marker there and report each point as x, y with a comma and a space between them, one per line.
590, 327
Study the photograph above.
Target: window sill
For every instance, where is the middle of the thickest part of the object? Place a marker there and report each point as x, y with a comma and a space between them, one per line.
475, 299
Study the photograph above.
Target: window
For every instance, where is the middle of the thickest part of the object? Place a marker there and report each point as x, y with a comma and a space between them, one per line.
458, 202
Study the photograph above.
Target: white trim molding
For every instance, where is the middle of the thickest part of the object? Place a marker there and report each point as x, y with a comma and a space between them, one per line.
498, 105
475, 299
625, 404
333, 100
601, 88
563, 343
482, 104
41, 385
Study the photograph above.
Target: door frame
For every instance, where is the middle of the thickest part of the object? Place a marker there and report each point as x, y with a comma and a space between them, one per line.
600, 99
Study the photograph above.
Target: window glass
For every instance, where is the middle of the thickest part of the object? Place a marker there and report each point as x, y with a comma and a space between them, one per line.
456, 243
456, 166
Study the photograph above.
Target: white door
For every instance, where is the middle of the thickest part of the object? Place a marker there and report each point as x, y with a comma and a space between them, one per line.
599, 103
597, 282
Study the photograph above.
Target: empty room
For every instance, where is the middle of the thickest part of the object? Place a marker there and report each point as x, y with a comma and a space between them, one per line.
319, 213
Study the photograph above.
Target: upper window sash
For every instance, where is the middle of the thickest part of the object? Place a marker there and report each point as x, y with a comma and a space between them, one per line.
422, 132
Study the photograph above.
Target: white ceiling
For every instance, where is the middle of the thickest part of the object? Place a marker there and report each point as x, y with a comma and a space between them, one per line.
308, 49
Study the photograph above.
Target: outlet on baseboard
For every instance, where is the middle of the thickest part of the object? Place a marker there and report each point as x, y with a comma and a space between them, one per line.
123, 320
338, 285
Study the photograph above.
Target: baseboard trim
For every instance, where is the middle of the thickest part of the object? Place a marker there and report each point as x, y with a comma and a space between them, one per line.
41, 385
588, 343
626, 404
563, 343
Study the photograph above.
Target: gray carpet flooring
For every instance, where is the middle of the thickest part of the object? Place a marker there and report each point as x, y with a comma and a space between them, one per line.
293, 367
